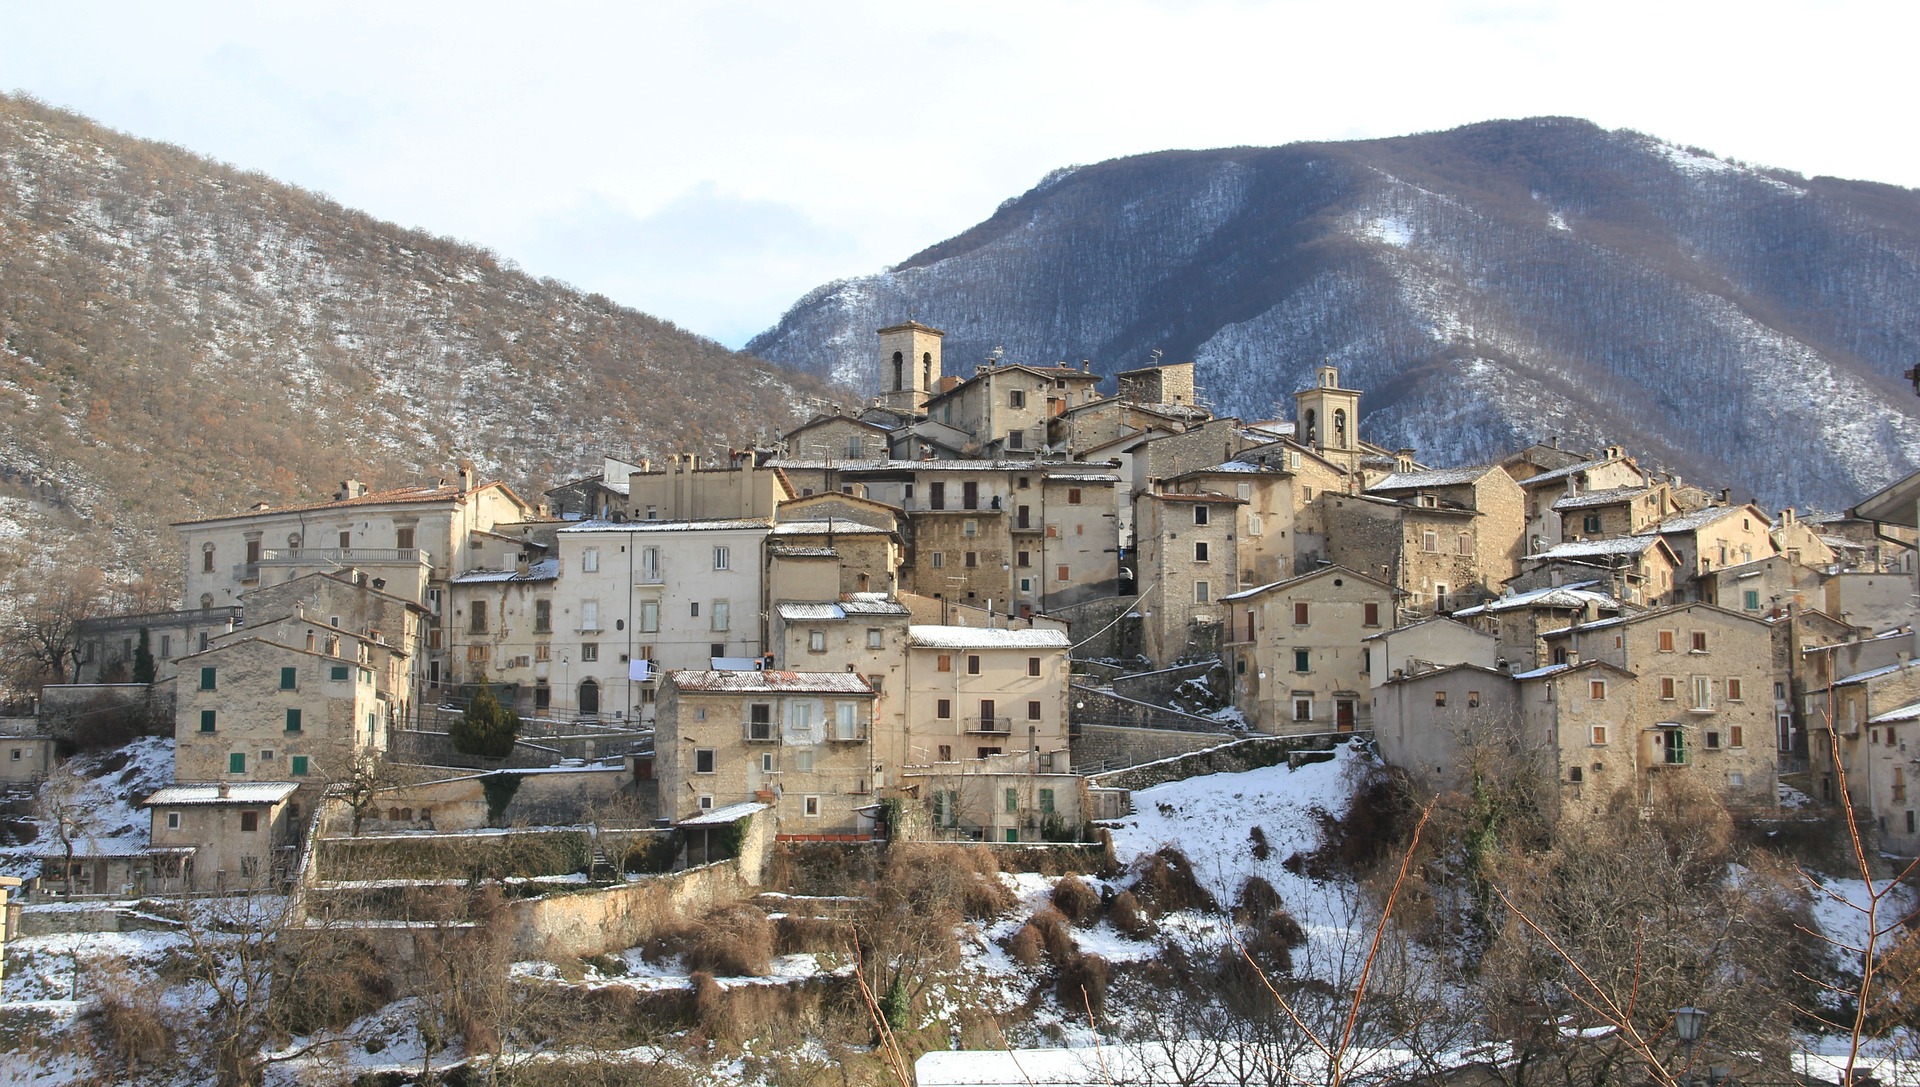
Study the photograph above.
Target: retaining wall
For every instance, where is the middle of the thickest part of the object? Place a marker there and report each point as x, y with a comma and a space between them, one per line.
1099, 748
1228, 758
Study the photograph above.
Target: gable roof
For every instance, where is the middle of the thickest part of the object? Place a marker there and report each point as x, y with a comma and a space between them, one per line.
1433, 477
1577, 595
1700, 518
1300, 579
447, 492
1609, 497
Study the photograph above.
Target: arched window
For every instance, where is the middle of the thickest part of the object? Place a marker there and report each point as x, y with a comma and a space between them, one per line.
1339, 428
926, 371
899, 371
1312, 421
206, 601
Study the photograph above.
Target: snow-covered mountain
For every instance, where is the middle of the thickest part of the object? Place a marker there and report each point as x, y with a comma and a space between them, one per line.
1487, 286
180, 338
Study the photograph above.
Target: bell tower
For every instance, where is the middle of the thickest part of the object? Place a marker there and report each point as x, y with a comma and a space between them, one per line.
909, 366
1327, 418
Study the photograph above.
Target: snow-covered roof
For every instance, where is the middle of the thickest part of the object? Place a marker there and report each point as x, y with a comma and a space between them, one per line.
1589, 499
843, 463
1595, 625
931, 636
1700, 518
822, 528
734, 523
1587, 549
1875, 673
872, 604
769, 682
239, 792
828, 611
1083, 477
1559, 474
810, 613
1557, 596
1908, 712
544, 570
1297, 578
1241, 466
1432, 477
720, 817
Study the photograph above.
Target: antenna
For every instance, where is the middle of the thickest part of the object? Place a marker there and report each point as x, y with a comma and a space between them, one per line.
1153, 356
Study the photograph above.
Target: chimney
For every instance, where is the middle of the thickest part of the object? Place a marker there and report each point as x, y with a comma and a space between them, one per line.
349, 488
522, 563
1786, 516
1726, 496
1554, 441
466, 475
1403, 460
224, 791
1086, 366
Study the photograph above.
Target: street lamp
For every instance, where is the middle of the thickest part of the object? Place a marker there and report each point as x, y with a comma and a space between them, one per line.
1688, 1022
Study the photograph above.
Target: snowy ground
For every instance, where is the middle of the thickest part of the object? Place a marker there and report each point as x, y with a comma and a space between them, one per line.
111, 824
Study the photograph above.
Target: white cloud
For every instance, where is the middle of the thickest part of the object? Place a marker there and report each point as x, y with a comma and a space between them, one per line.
595, 142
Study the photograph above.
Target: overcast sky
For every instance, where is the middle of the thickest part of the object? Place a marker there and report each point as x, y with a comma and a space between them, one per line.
710, 162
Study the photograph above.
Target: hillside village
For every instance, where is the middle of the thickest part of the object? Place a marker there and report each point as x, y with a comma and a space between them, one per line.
989, 607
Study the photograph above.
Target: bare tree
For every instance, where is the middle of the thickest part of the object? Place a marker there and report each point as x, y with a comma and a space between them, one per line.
40, 642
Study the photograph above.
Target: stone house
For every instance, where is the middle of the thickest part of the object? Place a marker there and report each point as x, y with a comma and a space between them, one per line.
837, 436
1444, 537
107, 645
1547, 473
1187, 560
1881, 771
407, 542
1278, 532
637, 598
1615, 511
1714, 538
599, 497
1768, 586
1638, 570
1001, 798
685, 491
865, 634
973, 692
504, 636
1874, 599
1817, 649
1689, 694
1003, 409
800, 741
26, 755
1426, 644
1841, 715
1517, 619
1296, 654
1424, 718
249, 709
223, 836
868, 558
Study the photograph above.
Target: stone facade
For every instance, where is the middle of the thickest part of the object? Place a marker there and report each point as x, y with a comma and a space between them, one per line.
974, 692
222, 837
1187, 558
1296, 650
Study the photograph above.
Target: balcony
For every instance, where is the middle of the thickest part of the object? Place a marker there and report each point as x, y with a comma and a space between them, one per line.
988, 726
853, 735
759, 732
246, 571
343, 556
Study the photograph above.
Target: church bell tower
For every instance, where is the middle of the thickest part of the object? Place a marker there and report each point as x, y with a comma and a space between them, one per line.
1327, 418
909, 367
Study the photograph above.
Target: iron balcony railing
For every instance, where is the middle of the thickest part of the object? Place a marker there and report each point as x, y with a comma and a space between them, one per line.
994, 726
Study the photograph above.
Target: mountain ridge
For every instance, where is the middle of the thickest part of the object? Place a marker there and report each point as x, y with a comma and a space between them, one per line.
1600, 285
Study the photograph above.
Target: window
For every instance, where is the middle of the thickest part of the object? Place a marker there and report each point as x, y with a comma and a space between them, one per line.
1046, 802
760, 721
1023, 558
1011, 799
206, 679
249, 822
1033, 666
650, 564
166, 647
1200, 551
846, 721
943, 709
1663, 641
589, 651
1752, 599
1473, 700
1702, 693
1465, 543
543, 617
723, 558
1201, 592
289, 678
1713, 739
1200, 514
810, 806
1599, 738
206, 558
403, 538
875, 638
1667, 688
972, 560
969, 528
1699, 641
1017, 398
1303, 709
973, 664
1371, 615
206, 720
237, 763
1736, 736
706, 803
1590, 524
939, 559
1597, 690
970, 495
946, 753
1301, 613
1253, 524
1676, 747
703, 760
590, 614
1063, 574
293, 719
943, 663
297, 764
173, 820
1733, 690
937, 495
1439, 698
1430, 541
816, 641
1302, 660
1033, 711
590, 560
1073, 496
722, 613
650, 617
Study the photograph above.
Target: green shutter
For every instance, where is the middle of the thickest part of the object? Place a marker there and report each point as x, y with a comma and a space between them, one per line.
288, 678
206, 720
206, 679
1013, 800
1013, 835
293, 720
237, 763
1046, 801
339, 671
299, 766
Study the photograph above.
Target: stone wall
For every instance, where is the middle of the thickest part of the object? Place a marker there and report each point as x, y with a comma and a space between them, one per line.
602, 920
1158, 687
1093, 706
1109, 747
63, 707
1098, 629
1228, 758
436, 749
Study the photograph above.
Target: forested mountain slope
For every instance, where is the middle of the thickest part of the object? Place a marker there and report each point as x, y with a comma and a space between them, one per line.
1487, 287
179, 338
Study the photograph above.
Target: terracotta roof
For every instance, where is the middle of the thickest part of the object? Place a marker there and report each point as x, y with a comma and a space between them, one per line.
397, 496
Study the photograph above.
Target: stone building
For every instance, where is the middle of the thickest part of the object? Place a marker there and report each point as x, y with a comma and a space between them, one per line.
801, 741
1714, 538
504, 633
1547, 474
973, 692
1425, 720
1517, 619
1638, 570
1426, 644
1296, 652
865, 634
1187, 561
222, 836
1447, 537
